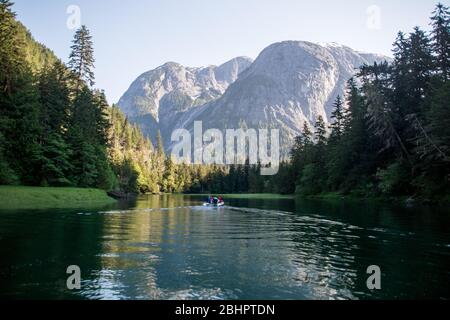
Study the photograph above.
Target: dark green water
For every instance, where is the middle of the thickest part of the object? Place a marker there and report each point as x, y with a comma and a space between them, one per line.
171, 247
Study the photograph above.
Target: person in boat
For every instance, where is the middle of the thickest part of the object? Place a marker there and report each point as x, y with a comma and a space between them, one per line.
221, 199
216, 201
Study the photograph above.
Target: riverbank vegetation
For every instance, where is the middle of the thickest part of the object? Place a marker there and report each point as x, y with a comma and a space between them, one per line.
19, 197
56, 130
53, 125
389, 135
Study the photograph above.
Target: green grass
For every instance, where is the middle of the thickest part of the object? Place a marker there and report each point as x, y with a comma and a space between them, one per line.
20, 197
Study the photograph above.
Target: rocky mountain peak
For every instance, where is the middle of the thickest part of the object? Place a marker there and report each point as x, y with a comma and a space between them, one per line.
290, 83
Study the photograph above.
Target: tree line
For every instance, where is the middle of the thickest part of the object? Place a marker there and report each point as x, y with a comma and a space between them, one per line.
57, 130
389, 135
53, 125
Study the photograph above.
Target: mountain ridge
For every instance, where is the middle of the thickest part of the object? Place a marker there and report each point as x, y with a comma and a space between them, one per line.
288, 84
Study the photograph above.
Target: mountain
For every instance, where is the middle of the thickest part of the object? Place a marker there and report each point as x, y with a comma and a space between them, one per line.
156, 99
289, 83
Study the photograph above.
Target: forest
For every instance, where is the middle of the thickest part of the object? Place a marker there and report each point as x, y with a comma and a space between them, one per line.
389, 137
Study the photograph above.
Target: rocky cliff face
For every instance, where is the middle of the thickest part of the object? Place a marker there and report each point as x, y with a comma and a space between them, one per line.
157, 98
290, 83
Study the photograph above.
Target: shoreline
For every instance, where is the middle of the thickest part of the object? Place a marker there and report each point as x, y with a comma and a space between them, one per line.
334, 196
255, 196
24, 198
407, 200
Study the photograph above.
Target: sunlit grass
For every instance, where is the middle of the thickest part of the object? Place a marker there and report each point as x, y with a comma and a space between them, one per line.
19, 197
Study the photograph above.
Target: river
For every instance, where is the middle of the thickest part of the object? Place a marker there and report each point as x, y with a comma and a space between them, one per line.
171, 247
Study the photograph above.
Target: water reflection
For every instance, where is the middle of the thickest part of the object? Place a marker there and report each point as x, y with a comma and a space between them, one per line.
170, 247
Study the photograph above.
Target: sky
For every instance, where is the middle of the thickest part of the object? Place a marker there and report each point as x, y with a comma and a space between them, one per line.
134, 36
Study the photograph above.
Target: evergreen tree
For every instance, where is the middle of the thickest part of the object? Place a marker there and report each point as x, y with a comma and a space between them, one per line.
12, 65
170, 176
88, 134
81, 60
302, 152
336, 146
400, 74
440, 21
24, 149
320, 131
392, 139
420, 62
83, 116
160, 145
128, 176
338, 117
101, 116
56, 166
380, 118
359, 157
54, 96
54, 118
433, 146
307, 134
7, 175
12, 58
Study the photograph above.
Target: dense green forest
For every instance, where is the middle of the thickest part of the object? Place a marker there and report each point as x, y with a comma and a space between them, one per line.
389, 137
56, 130
390, 134
53, 127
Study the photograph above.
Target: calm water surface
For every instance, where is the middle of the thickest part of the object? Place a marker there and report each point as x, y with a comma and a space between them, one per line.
170, 247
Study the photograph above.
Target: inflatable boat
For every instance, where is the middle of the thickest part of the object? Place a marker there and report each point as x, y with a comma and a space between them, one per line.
219, 204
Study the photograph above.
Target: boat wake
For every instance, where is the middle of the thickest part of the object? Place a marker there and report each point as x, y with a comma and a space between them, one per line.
194, 208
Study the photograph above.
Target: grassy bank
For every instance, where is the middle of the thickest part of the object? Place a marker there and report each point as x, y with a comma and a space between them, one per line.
19, 197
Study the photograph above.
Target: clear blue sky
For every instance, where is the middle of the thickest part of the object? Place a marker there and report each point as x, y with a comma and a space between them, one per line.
134, 36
